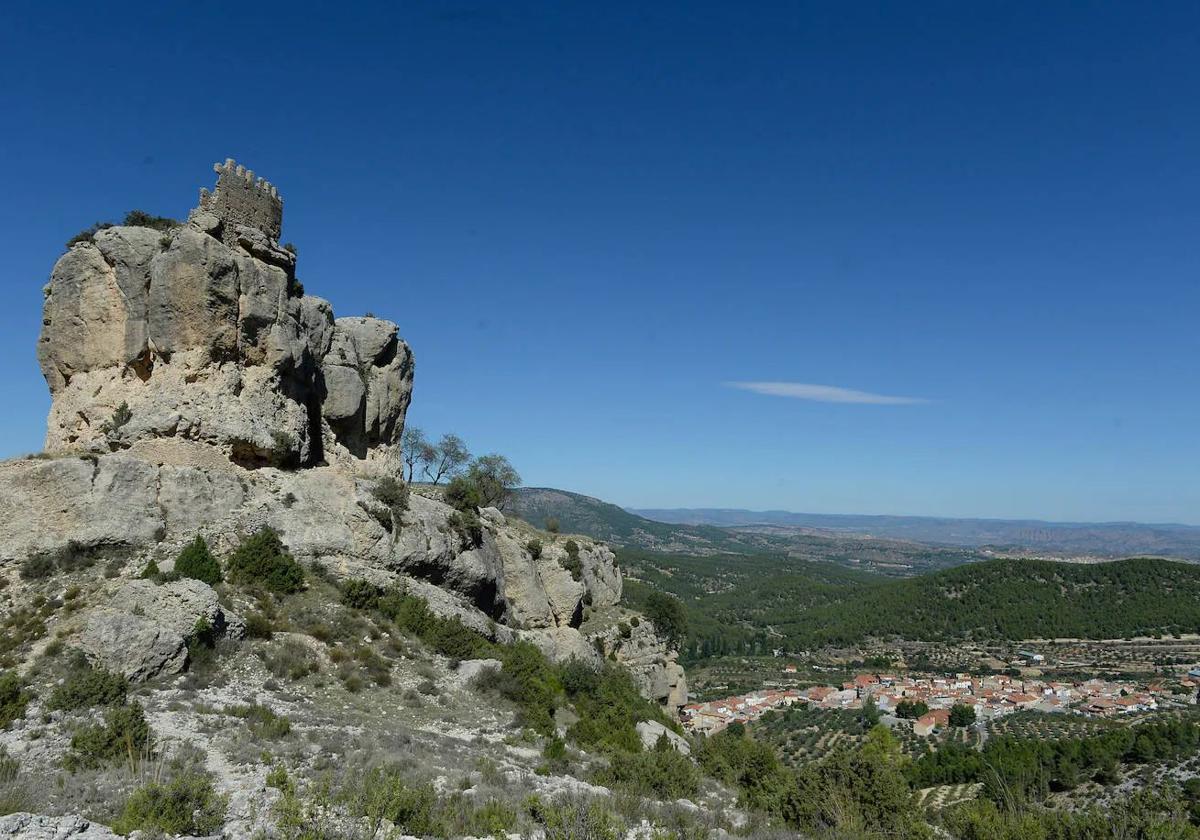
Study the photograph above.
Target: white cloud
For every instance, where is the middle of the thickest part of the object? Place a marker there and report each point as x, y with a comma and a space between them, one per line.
822, 393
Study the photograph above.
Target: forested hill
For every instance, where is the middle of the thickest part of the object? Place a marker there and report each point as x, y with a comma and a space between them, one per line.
754, 605
1013, 599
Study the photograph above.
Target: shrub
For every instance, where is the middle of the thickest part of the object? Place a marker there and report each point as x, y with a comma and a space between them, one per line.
13, 698
259, 626
576, 819
262, 721
534, 547
88, 233
140, 218
120, 417
290, 658
262, 559
609, 707
187, 804
361, 594
392, 493
468, 526
571, 562
552, 524
124, 733
151, 572
384, 794
37, 566
463, 495
14, 796
85, 687
196, 561
661, 772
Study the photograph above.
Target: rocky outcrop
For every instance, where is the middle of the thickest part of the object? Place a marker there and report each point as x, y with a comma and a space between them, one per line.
39, 827
124, 504
205, 335
634, 642
143, 631
197, 390
651, 732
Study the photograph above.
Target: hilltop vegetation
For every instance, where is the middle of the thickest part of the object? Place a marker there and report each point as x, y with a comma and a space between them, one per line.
748, 605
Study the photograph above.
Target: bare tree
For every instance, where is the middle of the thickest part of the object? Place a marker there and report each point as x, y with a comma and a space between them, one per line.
415, 450
448, 458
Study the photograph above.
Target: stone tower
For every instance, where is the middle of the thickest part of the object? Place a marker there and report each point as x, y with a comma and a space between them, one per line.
241, 199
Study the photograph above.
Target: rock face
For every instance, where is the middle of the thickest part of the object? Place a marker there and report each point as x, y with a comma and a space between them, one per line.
143, 632
196, 390
38, 827
205, 335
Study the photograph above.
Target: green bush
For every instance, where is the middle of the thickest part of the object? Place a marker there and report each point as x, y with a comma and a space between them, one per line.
124, 734
13, 698
534, 547
384, 794
85, 687
196, 561
609, 707
187, 804
14, 795
361, 594
140, 218
661, 772
259, 626
263, 560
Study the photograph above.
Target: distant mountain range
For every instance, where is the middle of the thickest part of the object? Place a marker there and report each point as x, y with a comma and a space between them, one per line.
1070, 539
579, 514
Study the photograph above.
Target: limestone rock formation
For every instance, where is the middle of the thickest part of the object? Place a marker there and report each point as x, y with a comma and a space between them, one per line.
196, 390
203, 333
143, 632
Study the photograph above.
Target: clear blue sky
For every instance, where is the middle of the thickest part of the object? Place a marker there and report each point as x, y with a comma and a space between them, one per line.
589, 219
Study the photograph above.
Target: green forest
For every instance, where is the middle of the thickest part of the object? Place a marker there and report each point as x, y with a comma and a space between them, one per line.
749, 605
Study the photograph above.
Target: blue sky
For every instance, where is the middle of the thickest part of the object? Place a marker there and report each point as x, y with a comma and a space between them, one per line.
593, 221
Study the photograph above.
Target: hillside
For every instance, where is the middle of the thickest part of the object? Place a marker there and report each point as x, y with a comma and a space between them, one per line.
797, 605
1099, 539
601, 520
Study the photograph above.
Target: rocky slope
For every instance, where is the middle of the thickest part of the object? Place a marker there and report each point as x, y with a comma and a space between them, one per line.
198, 392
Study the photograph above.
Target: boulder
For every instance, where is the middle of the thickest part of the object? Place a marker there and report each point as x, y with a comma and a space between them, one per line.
143, 631
650, 731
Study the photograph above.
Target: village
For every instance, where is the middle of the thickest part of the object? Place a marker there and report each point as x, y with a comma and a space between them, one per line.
989, 697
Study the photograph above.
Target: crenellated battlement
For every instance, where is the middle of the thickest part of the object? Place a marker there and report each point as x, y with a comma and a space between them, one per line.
240, 198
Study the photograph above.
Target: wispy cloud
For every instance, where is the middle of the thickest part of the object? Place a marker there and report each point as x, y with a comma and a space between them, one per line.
822, 393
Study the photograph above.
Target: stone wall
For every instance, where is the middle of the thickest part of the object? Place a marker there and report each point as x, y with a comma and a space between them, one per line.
241, 199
